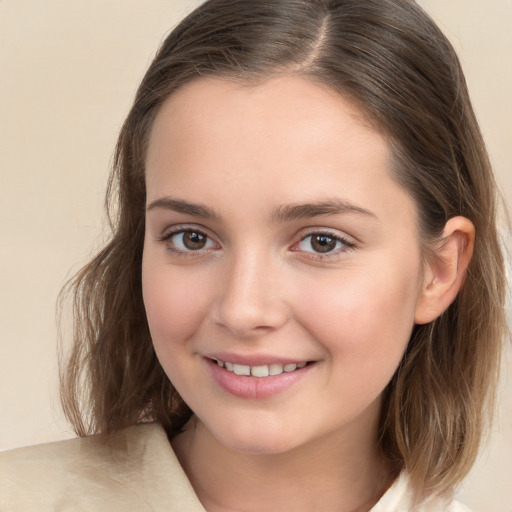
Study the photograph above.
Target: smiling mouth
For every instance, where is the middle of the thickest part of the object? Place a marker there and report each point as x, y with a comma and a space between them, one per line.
265, 370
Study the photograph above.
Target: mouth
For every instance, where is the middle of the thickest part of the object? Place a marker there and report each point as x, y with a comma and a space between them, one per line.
265, 379
259, 371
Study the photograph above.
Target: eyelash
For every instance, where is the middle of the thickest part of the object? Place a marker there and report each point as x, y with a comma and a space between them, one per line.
346, 245
166, 239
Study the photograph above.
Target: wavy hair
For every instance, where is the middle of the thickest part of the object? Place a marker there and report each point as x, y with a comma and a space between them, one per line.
393, 62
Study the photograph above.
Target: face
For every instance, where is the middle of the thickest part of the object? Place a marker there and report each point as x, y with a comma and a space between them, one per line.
282, 268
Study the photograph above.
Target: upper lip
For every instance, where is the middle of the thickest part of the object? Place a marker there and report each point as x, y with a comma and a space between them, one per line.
253, 359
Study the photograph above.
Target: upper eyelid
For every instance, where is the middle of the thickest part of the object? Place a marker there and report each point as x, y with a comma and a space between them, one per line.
334, 255
340, 235
341, 238
175, 229
346, 243
166, 239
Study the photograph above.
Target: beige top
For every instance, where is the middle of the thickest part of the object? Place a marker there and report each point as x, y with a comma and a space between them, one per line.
136, 470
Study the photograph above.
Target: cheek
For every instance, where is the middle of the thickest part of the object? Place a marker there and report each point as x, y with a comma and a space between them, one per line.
174, 306
364, 322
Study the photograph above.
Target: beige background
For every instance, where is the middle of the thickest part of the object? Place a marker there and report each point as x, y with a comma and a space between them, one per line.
68, 71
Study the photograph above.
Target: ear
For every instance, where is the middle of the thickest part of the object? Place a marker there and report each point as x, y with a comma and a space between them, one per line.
445, 269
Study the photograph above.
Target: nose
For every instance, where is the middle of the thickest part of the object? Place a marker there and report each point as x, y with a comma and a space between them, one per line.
251, 297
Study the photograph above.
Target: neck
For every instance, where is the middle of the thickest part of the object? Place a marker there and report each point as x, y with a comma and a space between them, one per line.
343, 471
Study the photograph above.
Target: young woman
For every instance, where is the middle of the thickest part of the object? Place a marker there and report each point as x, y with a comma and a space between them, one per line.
301, 306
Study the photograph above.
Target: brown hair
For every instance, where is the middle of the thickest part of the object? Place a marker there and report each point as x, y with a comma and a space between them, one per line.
396, 65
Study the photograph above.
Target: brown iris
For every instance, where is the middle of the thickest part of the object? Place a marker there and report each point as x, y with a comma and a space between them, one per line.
323, 243
193, 240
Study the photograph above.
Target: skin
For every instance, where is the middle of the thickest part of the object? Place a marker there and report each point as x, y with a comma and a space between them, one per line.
259, 286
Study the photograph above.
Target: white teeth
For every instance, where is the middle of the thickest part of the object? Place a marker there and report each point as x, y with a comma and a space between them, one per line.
242, 369
275, 369
260, 370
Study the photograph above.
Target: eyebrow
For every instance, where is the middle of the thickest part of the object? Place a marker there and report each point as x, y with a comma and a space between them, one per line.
334, 206
283, 213
182, 206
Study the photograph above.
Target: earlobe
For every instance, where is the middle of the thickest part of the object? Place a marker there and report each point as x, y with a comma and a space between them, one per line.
446, 268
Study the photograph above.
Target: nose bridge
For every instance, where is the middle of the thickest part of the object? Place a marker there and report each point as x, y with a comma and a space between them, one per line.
250, 298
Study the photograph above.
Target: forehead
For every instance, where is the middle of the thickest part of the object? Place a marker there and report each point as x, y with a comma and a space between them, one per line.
287, 138
286, 113
280, 98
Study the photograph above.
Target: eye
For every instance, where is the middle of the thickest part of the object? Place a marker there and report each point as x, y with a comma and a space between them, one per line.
188, 240
324, 243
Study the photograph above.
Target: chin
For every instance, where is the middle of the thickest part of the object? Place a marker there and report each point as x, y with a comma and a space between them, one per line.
256, 440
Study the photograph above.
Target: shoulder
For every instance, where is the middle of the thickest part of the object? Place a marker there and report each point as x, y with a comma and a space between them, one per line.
398, 498
133, 469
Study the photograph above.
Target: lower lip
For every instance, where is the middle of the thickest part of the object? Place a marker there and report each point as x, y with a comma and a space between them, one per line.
256, 387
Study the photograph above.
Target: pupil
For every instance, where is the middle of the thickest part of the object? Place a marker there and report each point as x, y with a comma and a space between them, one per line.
193, 240
323, 243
